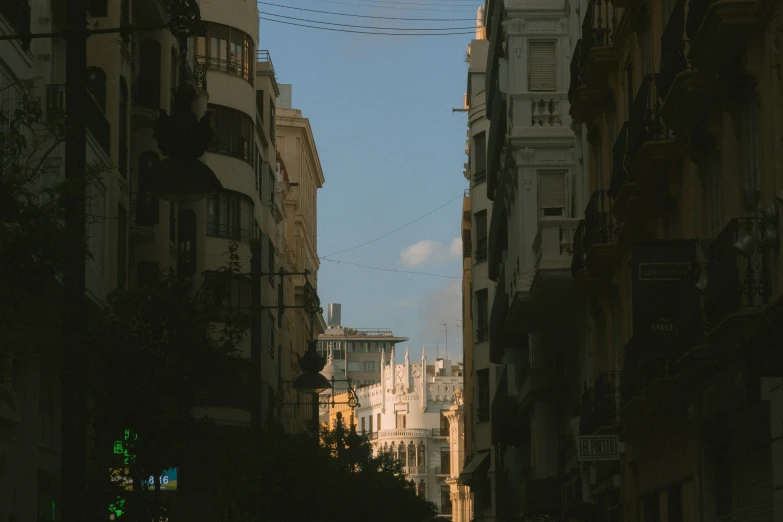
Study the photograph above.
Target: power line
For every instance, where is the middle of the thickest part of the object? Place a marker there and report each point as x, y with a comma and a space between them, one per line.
393, 269
371, 16
384, 7
360, 32
393, 231
369, 26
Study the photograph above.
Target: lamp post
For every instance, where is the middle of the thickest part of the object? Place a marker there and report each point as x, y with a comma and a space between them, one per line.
312, 381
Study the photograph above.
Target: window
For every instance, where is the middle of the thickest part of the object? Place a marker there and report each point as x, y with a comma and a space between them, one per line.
411, 454
482, 310
748, 128
369, 423
421, 461
479, 158
364, 428
369, 366
444, 425
552, 194
272, 123
230, 298
445, 461
482, 380
186, 242
230, 215
122, 246
96, 84
400, 421
227, 50
542, 66
233, 133
147, 84
401, 453
147, 209
379, 422
260, 106
445, 500
354, 366
481, 236
421, 489
271, 253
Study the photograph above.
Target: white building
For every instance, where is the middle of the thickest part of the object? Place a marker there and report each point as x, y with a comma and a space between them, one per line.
409, 413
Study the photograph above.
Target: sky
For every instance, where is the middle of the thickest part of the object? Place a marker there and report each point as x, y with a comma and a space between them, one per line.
392, 151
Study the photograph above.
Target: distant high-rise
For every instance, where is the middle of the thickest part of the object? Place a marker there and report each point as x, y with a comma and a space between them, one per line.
334, 314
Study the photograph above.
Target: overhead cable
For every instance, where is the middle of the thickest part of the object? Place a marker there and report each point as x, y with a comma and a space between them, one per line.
385, 7
362, 32
370, 16
369, 26
413, 272
393, 231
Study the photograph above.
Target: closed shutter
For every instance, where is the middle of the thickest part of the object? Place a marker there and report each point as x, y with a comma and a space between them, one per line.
552, 193
542, 66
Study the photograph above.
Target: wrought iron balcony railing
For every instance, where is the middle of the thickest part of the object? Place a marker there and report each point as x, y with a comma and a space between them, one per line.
600, 227
645, 123
737, 276
233, 145
673, 59
598, 24
620, 161
230, 67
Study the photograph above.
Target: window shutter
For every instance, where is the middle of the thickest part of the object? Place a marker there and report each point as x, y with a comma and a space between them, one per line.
542, 66
552, 193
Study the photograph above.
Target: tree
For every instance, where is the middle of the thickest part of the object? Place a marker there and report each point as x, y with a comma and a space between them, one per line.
158, 354
295, 479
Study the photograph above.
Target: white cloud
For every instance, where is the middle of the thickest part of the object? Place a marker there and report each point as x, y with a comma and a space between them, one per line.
429, 251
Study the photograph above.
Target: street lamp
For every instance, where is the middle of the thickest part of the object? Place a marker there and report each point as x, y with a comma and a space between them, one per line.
311, 380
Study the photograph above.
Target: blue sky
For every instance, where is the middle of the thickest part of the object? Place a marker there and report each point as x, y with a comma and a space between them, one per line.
391, 150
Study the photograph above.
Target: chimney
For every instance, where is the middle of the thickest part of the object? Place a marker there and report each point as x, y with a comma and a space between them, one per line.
334, 315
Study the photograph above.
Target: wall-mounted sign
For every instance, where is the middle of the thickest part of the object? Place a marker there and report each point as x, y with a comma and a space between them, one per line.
598, 447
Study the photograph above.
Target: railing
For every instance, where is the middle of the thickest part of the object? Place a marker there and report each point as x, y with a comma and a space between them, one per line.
600, 227
240, 70
440, 432
546, 113
620, 161
481, 250
554, 242
199, 74
263, 56
738, 276
598, 24
673, 59
376, 332
479, 177
577, 67
231, 145
645, 123
697, 11
17, 12
606, 405
414, 470
397, 433
146, 93
227, 231
372, 435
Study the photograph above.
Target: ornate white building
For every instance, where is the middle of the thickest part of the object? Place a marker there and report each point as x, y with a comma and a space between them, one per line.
415, 413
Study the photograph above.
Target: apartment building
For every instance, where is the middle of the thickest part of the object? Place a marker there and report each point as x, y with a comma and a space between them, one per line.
133, 231
678, 256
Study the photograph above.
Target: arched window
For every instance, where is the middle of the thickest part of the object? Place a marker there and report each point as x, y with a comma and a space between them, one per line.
96, 84
401, 454
147, 207
421, 489
122, 151
186, 246
148, 81
420, 460
411, 454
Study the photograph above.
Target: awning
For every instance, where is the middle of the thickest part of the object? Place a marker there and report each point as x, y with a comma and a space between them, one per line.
478, 464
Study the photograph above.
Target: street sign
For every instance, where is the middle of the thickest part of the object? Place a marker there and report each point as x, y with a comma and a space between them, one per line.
598, 447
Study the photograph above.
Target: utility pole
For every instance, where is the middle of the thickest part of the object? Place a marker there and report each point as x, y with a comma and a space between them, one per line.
73, 381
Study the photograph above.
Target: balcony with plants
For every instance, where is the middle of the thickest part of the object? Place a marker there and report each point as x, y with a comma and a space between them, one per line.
593, 57
643, 150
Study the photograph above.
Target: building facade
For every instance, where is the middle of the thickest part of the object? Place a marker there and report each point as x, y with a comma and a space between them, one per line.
133, 233
411, 413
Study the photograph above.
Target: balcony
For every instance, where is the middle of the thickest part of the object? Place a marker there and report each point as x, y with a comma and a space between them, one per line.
737, 280
232, 145
264, 63
650, 148
722, 26
620, 162
533, 380
414, 470
686, 91
554, 244
595, 240
593, 58
17, 13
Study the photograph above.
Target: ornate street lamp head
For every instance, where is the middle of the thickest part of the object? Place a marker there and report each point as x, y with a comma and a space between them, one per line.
311, 380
